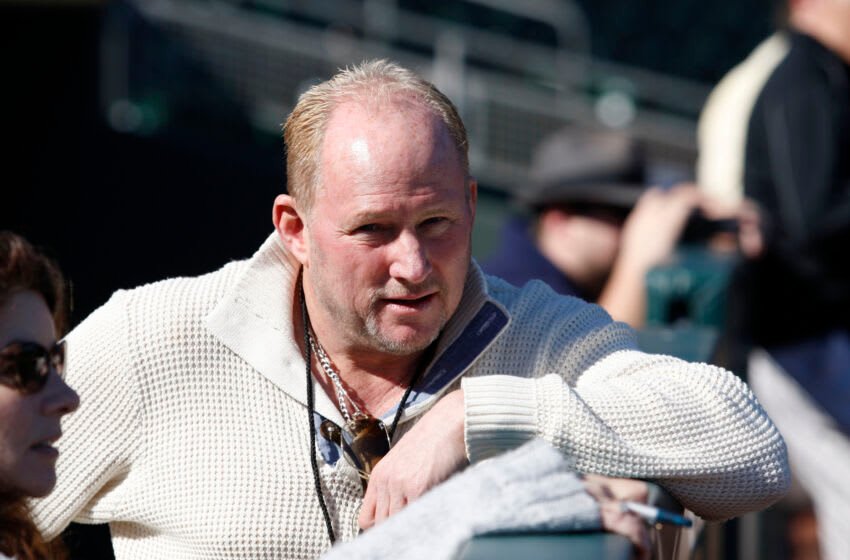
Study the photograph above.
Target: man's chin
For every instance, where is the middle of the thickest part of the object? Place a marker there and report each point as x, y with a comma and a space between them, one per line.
404, 341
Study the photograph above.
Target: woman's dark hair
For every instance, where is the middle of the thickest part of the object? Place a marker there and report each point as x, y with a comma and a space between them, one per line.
22, 268
19, 537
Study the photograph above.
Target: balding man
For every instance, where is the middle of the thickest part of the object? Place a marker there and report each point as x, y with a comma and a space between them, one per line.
242, 413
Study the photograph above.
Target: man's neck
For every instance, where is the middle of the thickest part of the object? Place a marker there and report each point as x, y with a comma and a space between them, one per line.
375, 380
376, 383
829, 32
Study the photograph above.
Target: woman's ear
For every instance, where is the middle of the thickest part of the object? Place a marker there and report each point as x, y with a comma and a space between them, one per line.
290, 227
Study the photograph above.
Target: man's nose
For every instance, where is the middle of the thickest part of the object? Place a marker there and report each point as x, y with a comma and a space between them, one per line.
409, 259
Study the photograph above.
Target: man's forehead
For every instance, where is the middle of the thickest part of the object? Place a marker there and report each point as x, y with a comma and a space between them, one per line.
376, 115
385, 132
380, 102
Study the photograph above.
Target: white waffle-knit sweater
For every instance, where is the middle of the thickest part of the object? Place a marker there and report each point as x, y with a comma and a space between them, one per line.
192, 439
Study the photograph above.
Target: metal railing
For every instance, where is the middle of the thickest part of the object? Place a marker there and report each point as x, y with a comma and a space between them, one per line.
170, 63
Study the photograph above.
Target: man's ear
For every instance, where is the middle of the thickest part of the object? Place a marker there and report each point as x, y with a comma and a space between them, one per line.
290, 226
472, 197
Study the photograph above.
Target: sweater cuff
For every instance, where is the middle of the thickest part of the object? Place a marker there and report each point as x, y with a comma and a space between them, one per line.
500, 414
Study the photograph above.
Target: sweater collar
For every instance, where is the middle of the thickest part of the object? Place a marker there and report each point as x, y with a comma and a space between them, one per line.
254, 320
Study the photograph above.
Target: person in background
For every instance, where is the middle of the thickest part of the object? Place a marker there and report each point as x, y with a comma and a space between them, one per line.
793, 296
33, 396
595, 229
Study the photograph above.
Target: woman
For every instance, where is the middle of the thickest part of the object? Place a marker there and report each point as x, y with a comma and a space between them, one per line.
33, 396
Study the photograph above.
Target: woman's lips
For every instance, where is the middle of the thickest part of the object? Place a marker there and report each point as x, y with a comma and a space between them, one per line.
45, 449
45, 446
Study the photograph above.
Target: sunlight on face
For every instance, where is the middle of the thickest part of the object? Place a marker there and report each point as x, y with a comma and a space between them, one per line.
389, 233
360, 151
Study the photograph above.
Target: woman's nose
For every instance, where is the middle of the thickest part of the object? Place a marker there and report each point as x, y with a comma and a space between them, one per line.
59, 398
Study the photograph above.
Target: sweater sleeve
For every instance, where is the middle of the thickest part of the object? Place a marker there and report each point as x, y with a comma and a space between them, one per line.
100, 439
695, 429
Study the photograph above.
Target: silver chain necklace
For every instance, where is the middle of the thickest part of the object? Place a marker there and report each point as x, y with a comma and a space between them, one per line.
341, 393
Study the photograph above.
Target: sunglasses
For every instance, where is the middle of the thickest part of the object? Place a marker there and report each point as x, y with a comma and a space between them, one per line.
25, 366
364, 441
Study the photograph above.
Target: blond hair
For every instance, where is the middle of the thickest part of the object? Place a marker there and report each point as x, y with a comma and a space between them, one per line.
372, 81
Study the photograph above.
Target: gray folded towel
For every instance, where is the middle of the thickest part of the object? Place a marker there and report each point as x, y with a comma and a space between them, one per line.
530, 488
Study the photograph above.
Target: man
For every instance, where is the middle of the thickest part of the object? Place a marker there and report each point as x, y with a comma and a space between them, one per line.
217, 408
595, 229
795, 294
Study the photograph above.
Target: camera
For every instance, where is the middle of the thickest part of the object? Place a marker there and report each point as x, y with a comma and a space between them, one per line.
700, 229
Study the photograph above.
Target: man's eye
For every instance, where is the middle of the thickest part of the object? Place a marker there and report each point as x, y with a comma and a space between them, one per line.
370, 228
435, 223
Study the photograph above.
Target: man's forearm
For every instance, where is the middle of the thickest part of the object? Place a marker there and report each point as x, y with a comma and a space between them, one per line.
665, 420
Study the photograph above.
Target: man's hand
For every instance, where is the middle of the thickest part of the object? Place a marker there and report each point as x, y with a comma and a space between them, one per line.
648, 238
427, 455
656, 223
610, 492
750, 236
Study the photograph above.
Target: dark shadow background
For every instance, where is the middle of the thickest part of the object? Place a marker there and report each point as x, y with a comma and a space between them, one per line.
115, 210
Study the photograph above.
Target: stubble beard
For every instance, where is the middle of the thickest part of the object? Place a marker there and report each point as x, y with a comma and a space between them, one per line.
399, 347
366, 332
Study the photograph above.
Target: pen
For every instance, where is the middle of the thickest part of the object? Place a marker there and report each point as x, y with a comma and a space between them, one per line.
653, 515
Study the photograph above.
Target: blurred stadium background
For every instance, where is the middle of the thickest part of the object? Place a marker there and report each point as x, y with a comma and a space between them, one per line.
145, 135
